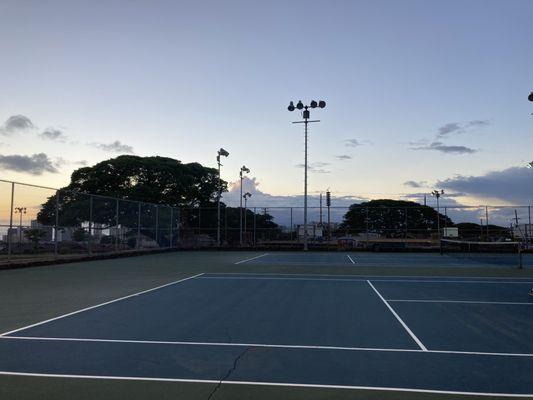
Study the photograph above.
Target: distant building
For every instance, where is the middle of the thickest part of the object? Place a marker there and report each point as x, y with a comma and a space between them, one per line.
49, 230
313, 231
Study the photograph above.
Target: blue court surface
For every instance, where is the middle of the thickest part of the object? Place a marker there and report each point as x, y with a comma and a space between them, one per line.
451, 335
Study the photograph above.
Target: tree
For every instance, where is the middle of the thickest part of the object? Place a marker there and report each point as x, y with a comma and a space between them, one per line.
79, 235
34, 236
392, 218
157, 180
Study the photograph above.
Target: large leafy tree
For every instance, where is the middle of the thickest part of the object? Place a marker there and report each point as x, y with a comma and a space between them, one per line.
392, 218
157, 180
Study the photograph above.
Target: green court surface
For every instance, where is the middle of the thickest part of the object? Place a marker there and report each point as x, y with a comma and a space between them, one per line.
32, 295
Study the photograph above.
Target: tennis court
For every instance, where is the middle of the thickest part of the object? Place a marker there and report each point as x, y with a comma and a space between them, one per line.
454, 335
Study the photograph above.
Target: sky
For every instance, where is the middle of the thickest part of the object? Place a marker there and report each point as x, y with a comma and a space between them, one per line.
420, 95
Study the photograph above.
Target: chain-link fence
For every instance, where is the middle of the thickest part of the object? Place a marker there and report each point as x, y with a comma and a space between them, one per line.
37, 220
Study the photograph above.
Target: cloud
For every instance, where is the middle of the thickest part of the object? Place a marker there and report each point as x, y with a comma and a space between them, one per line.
352, 143
53, 134
511, 185
316, 167
415, 184
456, 127
443, 148
35, 164
15, 124
343, 157
114, 147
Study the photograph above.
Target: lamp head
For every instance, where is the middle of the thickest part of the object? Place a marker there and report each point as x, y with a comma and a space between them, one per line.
322, 104
300, 105
530, 97
291, 106
245, 169
313, 104
223, 152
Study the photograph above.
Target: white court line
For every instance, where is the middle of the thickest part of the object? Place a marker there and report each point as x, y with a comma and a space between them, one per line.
260, 383
409, 331
374, 277
354, 279
350, 258
100, 305
274, 346
250, 259
512, 303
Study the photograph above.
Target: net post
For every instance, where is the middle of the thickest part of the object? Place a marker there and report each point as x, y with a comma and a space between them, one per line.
157, 225
520, 261
90, 242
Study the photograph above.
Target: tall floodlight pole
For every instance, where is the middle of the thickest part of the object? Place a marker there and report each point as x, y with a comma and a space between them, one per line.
221, 153
246, 196
437, 194
243, 171
306, 115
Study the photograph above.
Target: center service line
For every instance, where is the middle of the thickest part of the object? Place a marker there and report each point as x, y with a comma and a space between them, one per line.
409, 331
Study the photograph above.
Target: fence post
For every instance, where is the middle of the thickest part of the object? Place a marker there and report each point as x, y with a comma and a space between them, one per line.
292, 225
171, 222
56, 226
116, 224
157, 225
90, 243
529, 219
138, 244
406, 229
367, 223
178, 225
255, 225
487, 220
10, 231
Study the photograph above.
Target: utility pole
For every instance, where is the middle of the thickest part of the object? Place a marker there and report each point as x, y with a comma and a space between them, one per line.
306, 115
241, 176
437, 194
320, 218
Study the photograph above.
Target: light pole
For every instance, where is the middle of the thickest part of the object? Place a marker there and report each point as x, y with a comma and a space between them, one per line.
241, 175
220, 153
306, 115
20, 210
437, 194
246, 196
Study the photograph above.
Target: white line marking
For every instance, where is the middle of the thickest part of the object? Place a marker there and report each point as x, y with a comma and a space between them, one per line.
409, 331
462, 301
279, 384
350, 258
250, 259
100, 305
374, 277
275, 346
355, 279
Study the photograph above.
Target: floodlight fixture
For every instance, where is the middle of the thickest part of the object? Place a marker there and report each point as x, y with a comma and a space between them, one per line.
322, 104
300, 105
223, 152
530, 97
291, 106
247, 195
313, 104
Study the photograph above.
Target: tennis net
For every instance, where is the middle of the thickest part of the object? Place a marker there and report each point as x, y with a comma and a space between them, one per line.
497, 253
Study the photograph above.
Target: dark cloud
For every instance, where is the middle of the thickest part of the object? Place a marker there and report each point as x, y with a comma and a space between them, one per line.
316, 167
53, 134
352, 143
343, 157
114, 147
16, 123
443, 148
512, 185
35, 164
456, 127
415, 184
